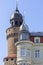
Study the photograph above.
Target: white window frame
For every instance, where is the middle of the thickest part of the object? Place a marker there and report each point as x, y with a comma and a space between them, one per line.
22, 52
25, 36
37, 53
37, 38
28, 52
24, 63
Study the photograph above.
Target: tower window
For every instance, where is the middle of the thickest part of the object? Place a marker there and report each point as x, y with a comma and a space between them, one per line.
28, 52
22, 52
15, 40
12, 23
14, 34
24, 36
14, 28
16, 23
20, 23
6, 59
11, 58
24, 64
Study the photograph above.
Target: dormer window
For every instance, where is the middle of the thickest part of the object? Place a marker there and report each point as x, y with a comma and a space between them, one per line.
37, 39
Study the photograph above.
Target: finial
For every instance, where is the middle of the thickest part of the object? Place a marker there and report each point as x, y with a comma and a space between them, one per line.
23, 20
17, 5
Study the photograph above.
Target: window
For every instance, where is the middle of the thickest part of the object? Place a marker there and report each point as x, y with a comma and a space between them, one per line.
12, 23
22, 51
15, 40
28, 52
24, 64
24, 36
14, 29
20, 23
37, 39
6, 59
12, 59
25, 52
16, 23
37, 53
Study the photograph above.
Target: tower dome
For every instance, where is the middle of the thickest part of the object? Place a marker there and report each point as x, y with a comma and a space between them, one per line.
16, 14
23, 32
16, 18
23, 27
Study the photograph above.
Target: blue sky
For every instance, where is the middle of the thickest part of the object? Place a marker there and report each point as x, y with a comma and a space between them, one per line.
33, 17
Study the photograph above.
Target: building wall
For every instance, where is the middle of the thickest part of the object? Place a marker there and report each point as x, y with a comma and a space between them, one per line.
32, 38
12, 37
37, 61
24, 59
32, 60
10, 61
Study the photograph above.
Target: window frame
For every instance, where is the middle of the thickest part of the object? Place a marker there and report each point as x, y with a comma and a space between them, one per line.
37, 39
28, 52
24, 64
22, 52
24, 36
37, 53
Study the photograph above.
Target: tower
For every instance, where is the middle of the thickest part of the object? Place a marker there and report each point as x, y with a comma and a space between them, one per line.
12, 37
23, 32
24, 46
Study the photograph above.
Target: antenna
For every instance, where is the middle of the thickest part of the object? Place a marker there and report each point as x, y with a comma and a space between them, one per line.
24, 17
17, 4
23, 20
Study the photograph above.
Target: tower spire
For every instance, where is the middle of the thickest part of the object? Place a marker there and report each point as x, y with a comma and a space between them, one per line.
17, 5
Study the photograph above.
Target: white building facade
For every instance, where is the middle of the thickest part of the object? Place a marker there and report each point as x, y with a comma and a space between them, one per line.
28, 52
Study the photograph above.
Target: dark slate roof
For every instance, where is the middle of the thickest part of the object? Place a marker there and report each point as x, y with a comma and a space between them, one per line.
36, 34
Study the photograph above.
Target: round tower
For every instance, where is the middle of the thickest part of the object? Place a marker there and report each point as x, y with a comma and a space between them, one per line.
12, 37
24, 46
23, 32
12, 32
